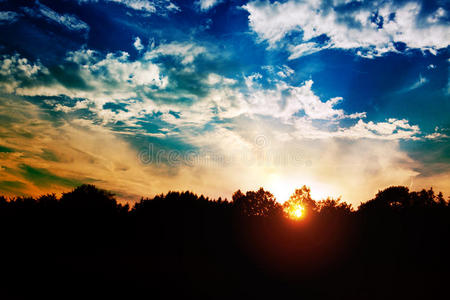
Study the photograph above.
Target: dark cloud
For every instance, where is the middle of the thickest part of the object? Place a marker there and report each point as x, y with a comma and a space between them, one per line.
43, 178
16, 187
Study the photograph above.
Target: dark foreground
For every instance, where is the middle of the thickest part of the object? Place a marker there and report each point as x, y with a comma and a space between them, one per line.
86, 246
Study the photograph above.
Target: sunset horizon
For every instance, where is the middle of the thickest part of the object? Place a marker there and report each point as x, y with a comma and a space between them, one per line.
224, 149
143, 97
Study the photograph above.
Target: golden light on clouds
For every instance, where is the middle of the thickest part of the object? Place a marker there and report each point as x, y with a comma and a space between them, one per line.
82, 151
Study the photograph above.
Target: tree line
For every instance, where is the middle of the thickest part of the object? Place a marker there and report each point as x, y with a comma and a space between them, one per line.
85, 244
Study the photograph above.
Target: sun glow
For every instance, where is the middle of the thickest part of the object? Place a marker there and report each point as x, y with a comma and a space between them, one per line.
295, 212
283, 187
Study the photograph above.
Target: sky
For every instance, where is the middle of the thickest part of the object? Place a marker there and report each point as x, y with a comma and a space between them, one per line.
145, 96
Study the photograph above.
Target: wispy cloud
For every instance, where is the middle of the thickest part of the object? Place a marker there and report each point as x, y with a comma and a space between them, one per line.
8, 17
71, 22
421, 81
418, 83
161, 7
206, 5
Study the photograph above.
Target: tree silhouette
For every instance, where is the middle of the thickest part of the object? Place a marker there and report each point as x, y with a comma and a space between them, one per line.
399, 198
300, 198
89, 199
426, 198
189, 246
260, 203
332, 206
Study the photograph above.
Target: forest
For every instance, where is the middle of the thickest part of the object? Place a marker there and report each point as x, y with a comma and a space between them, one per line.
87, 245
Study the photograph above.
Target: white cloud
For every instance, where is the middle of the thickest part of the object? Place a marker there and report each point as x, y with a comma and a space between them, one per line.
150, 7
304, 49
420, 82
71, 22
285, 71
285, 101
138, 44
8, 17
214, 79
392, 129
109, 78
15, 69
372, 29
78, 105
117, 69
436, 135
137, 4
114, 78
185, 51
15, 65
437, 15
206, 5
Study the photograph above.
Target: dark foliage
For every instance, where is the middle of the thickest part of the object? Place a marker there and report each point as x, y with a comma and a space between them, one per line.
86, 245
261, 203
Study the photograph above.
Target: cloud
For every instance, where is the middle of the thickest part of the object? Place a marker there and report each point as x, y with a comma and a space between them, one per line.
221, 122
99, 78
206, 5
304, 49
392, 129
185, 51
160, 7
364, 26
8, 17
421, 81
357, 169
81, 152
436, 135
227, 159
71, 22
147, 6
280, 149
14, 70
138, 44
215, 79
287, 101
141, 89
89, 79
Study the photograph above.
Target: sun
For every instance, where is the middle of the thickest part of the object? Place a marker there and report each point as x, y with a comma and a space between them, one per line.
295, 212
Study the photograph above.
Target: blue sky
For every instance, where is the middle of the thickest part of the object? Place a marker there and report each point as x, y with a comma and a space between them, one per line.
142, 96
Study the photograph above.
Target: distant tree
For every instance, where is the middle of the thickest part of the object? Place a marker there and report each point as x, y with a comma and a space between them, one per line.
395, 196
301, 197
89, 199
332, 206
440, 199
399, 198
3, 202
426, 198
47, 201
259, 203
